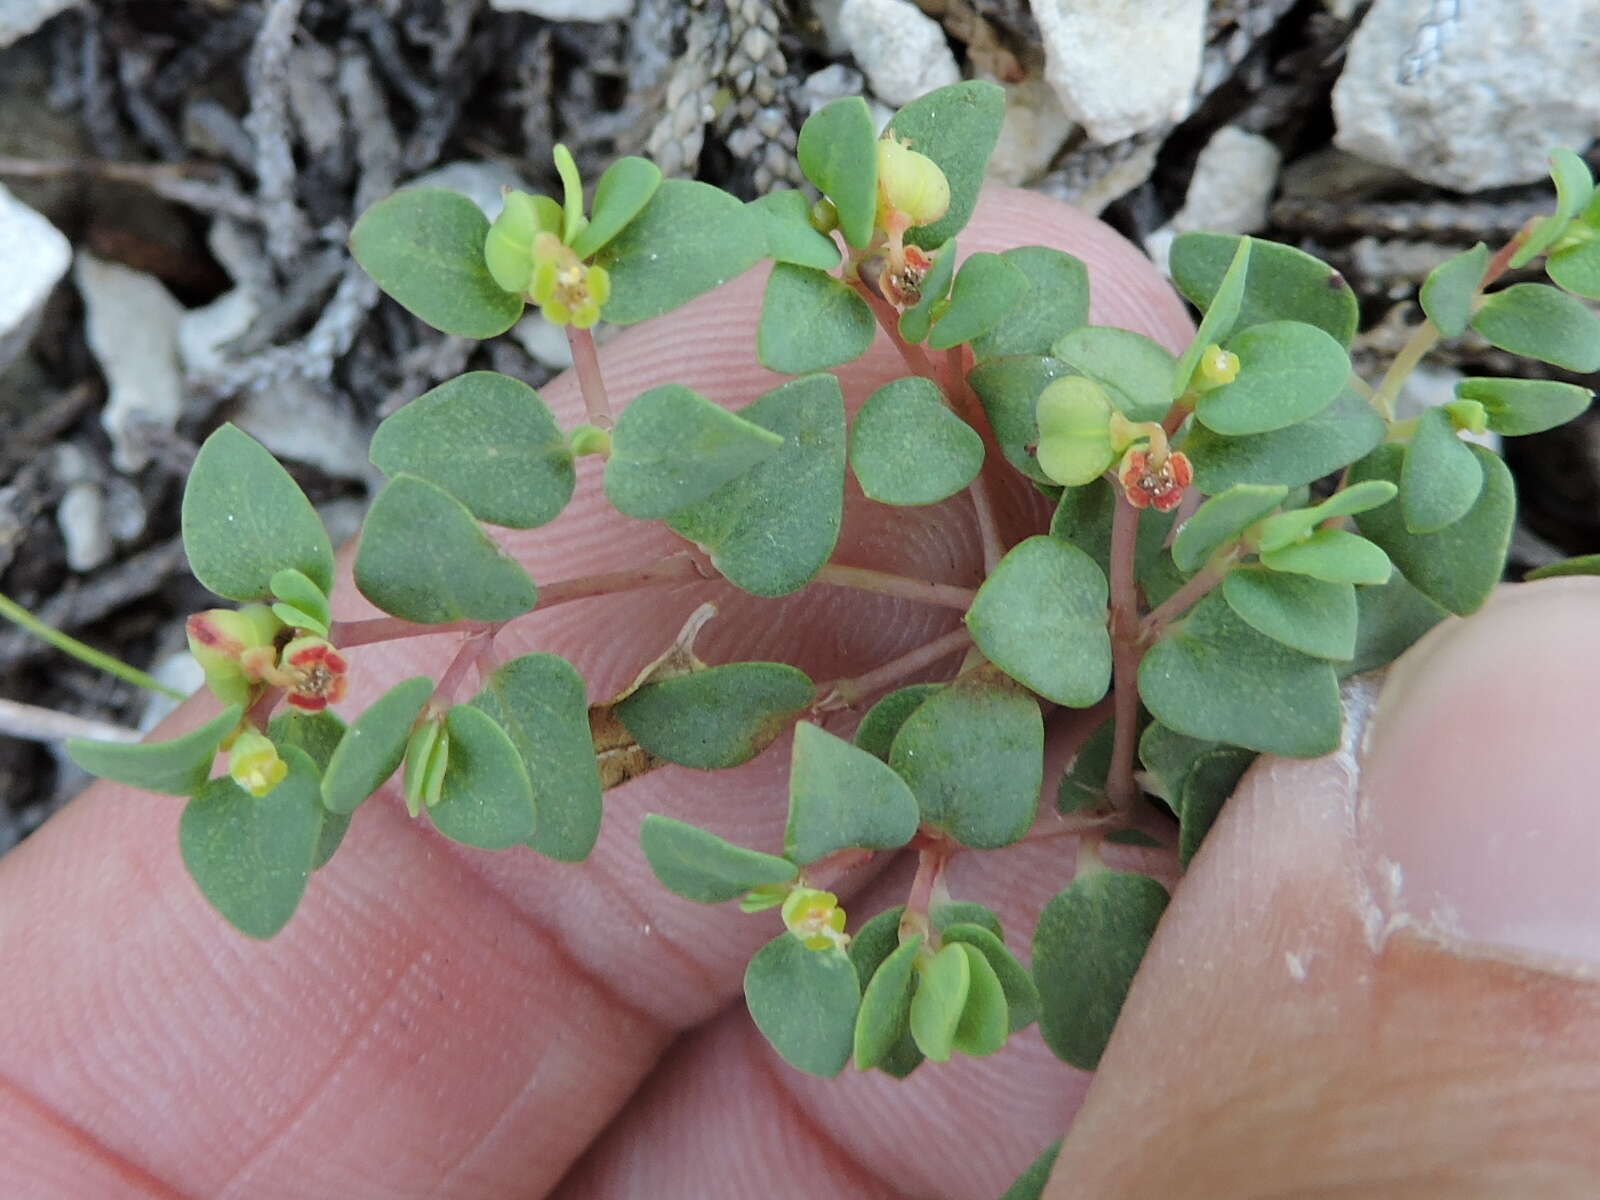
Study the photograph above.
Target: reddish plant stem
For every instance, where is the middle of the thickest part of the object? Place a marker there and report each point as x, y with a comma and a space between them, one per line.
970, 410
932, 856
843, 693
864, 579
916, 358
261, 711
465, 660
349, 634
1126, 651
586, 364
1182, 600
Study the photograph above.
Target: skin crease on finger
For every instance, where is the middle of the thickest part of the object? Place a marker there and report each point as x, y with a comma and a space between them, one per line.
434, 1021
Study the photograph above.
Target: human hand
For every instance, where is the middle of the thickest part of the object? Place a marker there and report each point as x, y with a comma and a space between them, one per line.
440, 1022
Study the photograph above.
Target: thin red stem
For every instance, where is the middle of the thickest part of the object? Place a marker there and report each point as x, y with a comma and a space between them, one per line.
843, 693
864, 579
466, 659
586, 364
1182, 600
1125, 655
916, 358
931, 860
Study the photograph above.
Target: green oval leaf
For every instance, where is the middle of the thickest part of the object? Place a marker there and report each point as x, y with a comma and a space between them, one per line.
1031, 1183
985, 1018
1309, 615
1016, 985
1334, 556
838, 151
810, 321
1288, 371
885, 1015
424, 558
1088, 944
1009, 389
620, 196
1392, 617
1212, 779
1136, 371
1521, 406
1577, 268
424, 248
1083, 784
1281, 283
914, 321
245, 519
1041, 618
319, 735
1333, 438
1168, 756
251, 857
1583, 564
987, 287
791, 238
804, 1003
699, 866
869, 949
1297, 524
877, 730
1056, 300
718, 717
690, 238
973, 755
1458, 565
841, 797
957, 127
1213, 677
1574, 190
940, 997
1448, 291
1537, 321
305, 597
908, 448
489, 441
771, 530
173, 768
372, 747
1439, 479
487, 799
1221, 520
1220, 311
672, 448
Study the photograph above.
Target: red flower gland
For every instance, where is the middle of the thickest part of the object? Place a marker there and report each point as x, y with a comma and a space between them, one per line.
1159, 487
313, 673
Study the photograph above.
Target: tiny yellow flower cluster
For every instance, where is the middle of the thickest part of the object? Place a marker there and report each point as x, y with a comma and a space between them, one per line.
567, 291
253, 763
815, 918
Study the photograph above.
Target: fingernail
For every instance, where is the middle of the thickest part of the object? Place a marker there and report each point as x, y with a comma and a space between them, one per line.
1479, 820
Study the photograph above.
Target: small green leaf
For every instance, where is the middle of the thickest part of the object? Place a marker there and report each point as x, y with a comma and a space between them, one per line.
424, 248
1009, 389
1221, 520
489, 441
804, 1002
1017, 986
487, 799
297, 619
1522, 406
173, 768
987, 287
1288, 371
973, 755
251, 857
885, 1015
1459, 565
672, 448
941, 995
620, 196
771, 530
791, 238
718, 717
1089, 942
1055, 302
1297, 524
1221, 305
871, 946
1449, 289
425, 559
1537, 321
914, 321
1583, 564
1041, 618
1212, 779
373, 746
810, 321
702, 867
572, 218
985, 1017
957, 127
1305, 614
1282, 284
508, 248
1333, 438
908, 448
542, 704
306, 597
1439, 479
1134, 369
1334, 556
1392, 617
1574, 190
1030, 1184
318, 734
877, 730
838, 151
841, 797
1168, 756
690, 238
1577, 268
1083, 784
1213, 677
245, 519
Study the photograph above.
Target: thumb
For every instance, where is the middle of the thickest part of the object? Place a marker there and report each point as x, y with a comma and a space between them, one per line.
1380, 976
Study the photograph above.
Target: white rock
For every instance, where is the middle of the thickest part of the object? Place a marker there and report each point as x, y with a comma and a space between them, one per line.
81, 517
1475, 103
133, 330
1035, 126
1230, 188
36, 256
19, 18
567, 10
125, 512
202, 332
296, 420
1122, 66
902, 50
483, 182
544, 342
829, 84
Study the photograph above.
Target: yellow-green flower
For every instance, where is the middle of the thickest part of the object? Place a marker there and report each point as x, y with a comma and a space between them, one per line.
815, 918
1216, 367
567, 291
253, 763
